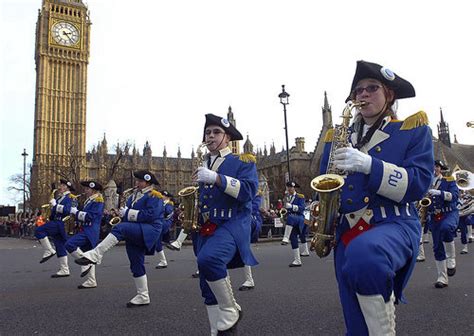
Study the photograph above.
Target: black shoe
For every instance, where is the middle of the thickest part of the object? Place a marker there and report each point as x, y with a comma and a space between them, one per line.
134, 305
84, 261
294, 265
470, 240
464, 252
84, 287
451, 271
83, 274
304, 255
420, 260
173, 248
246, 288
59, 275
160, 267
195, 275
284, 243
232, 330
440, 285
45, 259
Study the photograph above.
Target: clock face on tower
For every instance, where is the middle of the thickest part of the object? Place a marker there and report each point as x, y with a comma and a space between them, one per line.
65, 33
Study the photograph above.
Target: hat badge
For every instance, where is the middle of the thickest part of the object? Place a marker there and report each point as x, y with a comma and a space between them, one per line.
387, 74
92, 185
147, 177
225, 122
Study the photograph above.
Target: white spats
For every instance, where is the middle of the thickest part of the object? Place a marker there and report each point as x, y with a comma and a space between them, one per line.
229, 310
286, 235
450, 255
442, 273
90, 277
304, 252
162, 263
213, 315
249, 283
379, 315
63, 268
178, 243
142, 298
421, 252
95, 255
48, 251
77, 253
296, 258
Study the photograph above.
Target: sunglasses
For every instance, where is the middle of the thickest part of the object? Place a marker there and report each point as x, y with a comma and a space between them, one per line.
369, 88
215, 131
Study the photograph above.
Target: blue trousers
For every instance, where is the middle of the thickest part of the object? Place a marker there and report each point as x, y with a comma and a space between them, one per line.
214, 253
55, 230
443, 231
368, 266
294, 236
135, 246
78, 240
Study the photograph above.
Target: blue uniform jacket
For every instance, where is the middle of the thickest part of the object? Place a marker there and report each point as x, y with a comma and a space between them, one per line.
447, 201
295, 216
401, 173
168, 216
62, 208
146, 210
230, 205
90, 218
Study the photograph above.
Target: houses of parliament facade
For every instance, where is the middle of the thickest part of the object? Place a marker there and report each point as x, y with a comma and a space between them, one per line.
62, 53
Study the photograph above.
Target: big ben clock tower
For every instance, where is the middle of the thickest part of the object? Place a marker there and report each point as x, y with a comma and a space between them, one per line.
62, 56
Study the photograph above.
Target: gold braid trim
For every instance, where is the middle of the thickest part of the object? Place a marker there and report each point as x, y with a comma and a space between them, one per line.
300, 195
247, 157
450, 178
416, 120
329, 135
99, 199
155, 193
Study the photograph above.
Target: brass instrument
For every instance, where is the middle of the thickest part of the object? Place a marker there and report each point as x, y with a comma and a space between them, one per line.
190, 200
46, 208
329, 186
422, 206
70, 220
283, 215
464, 179
123, 200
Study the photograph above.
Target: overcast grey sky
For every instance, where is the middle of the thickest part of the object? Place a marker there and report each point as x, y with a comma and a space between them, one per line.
156, 67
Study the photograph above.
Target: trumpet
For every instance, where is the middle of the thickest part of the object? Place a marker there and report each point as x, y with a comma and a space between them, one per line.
123, 200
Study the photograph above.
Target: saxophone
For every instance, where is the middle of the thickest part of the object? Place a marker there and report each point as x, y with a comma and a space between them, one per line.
46, 208
190, 200
123, 200
329, 186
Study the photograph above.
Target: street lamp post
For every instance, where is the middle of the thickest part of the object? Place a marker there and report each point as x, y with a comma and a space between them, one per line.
284, 101
470, 124
24, 154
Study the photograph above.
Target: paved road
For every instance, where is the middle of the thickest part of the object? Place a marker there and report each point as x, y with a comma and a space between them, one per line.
301, 301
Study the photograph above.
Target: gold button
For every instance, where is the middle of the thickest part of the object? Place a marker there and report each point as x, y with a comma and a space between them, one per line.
361, 228
205, 187
378, 149
352, 216
351, 187
368, 212
205, 206
349, 201
366, 199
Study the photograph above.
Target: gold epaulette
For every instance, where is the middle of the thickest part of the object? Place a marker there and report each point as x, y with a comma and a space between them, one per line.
247, 157
300, 195
99, 199
171, 203
416, 120
329, 135
155, 193
73, 196
449, 178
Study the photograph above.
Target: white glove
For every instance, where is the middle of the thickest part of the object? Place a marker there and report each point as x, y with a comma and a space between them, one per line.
122, 211
288, 205
53, 202
74, 211
353, 160
434, 192
205, 175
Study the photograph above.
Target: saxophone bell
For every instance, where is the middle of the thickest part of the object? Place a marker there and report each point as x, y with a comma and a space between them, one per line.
116, 212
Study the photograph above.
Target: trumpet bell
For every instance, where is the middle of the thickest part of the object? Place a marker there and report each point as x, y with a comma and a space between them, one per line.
187, 191
464, 179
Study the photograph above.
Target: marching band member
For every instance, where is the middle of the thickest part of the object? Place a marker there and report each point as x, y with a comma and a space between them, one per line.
389, 167
54, 228
466, 218
443, 221
165, 232
295, 206
140, 228
87, 238
256, 225
227, 185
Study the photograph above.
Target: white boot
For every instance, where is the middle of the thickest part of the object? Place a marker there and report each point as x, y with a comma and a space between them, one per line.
162, 263
378, 314
442, 280
90, 280
77, 254
48, 252
142, 297
286, 235
297, 259
426, 237
95, 255
304, 250
63, 268
421, 252
176, 245
248, 284
464, 249
469, 234
229, 310
450, 257
213, 315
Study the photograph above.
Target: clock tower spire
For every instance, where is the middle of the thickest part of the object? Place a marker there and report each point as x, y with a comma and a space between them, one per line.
61, 57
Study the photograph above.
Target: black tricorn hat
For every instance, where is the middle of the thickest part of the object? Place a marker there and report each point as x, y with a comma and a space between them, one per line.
292, 184
213, 120
92, 184
68, 183
441, 164
167, 193
401, 87
146, 176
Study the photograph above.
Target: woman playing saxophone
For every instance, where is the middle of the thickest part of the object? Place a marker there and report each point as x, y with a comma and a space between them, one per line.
387, 166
